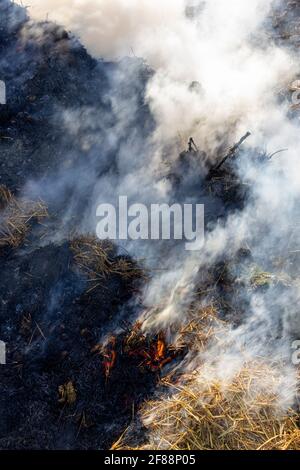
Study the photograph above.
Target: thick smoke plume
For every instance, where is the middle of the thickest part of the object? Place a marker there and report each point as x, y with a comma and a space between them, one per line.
213, 44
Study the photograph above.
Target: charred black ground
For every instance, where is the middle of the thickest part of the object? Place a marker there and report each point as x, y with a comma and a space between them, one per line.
51, 325
56, 390
48, 319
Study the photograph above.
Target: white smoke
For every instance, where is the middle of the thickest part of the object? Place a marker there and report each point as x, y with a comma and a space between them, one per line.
215, 48
223, 47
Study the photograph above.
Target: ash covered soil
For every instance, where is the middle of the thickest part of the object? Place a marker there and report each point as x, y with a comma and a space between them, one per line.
51, 326
57, 390
54, 392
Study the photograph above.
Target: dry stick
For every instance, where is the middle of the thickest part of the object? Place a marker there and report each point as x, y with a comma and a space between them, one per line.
275, 153
40, 330
232, 151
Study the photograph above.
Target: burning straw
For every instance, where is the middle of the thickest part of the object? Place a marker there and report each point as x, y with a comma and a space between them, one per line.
16, 216
205, 414
202, 411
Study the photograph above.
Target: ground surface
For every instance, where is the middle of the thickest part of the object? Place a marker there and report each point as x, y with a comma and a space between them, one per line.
53, 391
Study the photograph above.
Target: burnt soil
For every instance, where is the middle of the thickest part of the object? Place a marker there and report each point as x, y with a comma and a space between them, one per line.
49, 318
51, 325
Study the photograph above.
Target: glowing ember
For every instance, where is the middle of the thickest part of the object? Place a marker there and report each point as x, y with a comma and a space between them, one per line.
109, 356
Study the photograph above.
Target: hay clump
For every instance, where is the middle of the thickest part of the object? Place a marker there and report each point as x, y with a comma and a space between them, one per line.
67, 393
16, 217
98, 259
260, 278
202, 328
206, 414
204, 410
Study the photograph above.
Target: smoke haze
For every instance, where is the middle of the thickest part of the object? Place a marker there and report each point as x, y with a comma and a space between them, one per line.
223, 48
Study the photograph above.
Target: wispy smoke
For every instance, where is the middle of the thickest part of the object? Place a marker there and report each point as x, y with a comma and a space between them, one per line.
223, 49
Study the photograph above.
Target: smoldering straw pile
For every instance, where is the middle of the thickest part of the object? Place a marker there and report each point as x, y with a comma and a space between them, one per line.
144, 345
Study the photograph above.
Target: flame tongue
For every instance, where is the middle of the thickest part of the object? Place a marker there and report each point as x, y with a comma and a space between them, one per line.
155, 353
109, 356
158, 353
152, 353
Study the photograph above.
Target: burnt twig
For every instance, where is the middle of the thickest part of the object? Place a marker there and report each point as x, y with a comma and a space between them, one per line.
231, 152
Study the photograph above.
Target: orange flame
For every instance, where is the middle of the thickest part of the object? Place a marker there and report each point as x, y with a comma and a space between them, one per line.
160, 350
158, 354
154, 353
109, 356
